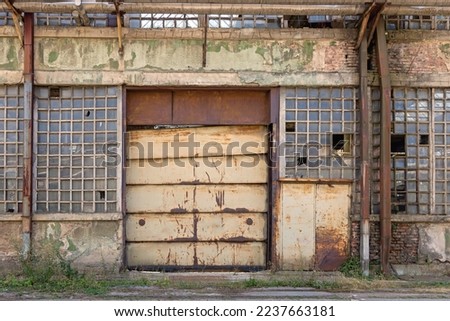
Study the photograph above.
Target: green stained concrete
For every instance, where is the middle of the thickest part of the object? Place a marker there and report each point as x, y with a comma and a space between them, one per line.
52, 57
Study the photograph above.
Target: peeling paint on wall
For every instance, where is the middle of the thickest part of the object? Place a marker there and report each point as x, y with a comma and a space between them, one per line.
434, 243
9, 58
95, 244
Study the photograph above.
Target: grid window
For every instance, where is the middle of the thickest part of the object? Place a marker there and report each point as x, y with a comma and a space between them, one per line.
228, 21
6, 19
418, 22
162, 20
245, 21
441, 149
419, 152
11, 148
76, 145
67, 19
320, 128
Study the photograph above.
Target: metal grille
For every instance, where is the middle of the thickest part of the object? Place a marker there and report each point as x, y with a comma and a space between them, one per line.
11, 148
418, 22
77, 133
6, 19
320, 132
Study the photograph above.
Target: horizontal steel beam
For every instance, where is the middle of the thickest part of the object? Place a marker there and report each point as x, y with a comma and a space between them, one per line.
265, 2
347, 8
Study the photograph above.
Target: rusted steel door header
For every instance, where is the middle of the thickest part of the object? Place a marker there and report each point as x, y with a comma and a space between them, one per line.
198, 107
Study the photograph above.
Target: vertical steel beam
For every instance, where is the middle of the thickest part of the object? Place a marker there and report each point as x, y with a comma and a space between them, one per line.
205, 22
28, 73
385, 153
364, 179
274, 182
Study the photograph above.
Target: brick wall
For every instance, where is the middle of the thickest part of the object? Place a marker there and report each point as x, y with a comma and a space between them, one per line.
418, 57
404, 244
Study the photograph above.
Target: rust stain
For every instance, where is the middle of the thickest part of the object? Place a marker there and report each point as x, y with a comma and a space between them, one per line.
209, 178
220, 198
168, 257
183, 239
331, 249
235, 210
196, 219
239, 239
195, 256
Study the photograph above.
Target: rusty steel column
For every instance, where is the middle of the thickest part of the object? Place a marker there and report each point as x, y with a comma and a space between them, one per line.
385, 153
274, 182
364, 180
28, 71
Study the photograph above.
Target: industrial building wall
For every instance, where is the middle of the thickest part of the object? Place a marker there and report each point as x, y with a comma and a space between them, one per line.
317, 72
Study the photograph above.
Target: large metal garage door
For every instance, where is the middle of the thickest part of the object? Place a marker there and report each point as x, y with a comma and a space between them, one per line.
202, 206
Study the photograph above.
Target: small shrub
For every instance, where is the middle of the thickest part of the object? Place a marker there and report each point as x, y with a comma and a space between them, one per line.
351, 268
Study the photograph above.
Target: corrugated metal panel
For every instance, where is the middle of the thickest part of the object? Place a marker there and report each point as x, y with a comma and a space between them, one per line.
202, 211
205, 141
194, 254
211, 170
297, 225
236, 227
332, 226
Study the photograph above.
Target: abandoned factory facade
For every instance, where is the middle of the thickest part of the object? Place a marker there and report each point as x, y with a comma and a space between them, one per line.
233, 136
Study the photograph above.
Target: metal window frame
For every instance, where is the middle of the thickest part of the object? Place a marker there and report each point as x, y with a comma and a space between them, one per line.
329, 170
435, 187
116, 202
417, 22
15, 155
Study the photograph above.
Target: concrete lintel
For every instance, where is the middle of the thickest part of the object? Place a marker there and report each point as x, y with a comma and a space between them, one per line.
77, 217
11, 77
195, 79
408, 218
11, 218
7, 31
425, 80
197, 33
417, 35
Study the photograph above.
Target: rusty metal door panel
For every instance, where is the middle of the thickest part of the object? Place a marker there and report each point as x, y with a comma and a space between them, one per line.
191, 254
160, 254
149, 107
159, 227
198, 212
221, 107
231, 254
332, 226
200, 170
209, 141
239, 227
297, 225
196, 198
235, 227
